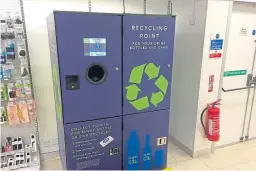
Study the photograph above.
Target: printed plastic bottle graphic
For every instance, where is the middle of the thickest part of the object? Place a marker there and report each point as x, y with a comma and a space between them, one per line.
147, 155
159, 159
133, 150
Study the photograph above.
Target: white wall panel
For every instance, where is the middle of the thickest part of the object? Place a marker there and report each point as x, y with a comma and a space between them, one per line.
188, 48
216, 24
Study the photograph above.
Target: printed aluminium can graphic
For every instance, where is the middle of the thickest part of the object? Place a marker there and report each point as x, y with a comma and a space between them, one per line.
147, 57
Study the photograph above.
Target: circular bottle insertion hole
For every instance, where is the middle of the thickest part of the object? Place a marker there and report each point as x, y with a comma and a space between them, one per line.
96, 74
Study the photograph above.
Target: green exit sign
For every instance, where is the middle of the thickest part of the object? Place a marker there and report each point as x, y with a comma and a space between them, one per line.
235, 73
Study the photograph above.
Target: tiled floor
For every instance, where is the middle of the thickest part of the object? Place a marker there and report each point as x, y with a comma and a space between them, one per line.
237, 157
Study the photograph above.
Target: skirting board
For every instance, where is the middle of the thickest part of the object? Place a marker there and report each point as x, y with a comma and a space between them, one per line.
203, 152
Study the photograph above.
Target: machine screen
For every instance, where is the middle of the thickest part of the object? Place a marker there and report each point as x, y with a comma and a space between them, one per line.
95, 47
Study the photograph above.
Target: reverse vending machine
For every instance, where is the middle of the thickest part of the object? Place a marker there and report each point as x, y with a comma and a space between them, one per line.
112, 79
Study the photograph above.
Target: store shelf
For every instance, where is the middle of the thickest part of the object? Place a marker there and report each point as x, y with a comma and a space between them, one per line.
12, 152
23, 167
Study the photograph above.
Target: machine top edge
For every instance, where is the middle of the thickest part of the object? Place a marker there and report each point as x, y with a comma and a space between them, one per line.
113, 14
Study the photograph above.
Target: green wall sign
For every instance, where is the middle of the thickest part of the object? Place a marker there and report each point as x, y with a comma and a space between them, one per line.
235, 73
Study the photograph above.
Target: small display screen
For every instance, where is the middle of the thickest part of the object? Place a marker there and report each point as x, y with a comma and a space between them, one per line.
95, 47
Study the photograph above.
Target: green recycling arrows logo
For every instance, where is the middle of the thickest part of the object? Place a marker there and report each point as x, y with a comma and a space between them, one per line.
152, 71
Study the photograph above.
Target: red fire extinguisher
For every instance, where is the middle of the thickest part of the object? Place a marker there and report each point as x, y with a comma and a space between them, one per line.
212, 128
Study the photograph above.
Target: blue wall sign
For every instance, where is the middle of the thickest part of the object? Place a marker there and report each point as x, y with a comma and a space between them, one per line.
217, 44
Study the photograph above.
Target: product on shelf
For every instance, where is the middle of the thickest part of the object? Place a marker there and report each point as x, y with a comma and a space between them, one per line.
18, 19
19, 158
3, 57
6, 73
3, 118
19, 34
20, 91
2, 149
7, 35
4, 95
23, 112
11, 92
12, 111
10, 52
10, 162
15, 144
20, 143
22, 53
31, 109
8, 145
27, 157
24, 71
33, 143
27, 86
1, 72
9, 20
3, 164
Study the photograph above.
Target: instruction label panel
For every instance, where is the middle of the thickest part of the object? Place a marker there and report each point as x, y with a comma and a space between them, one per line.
89, 144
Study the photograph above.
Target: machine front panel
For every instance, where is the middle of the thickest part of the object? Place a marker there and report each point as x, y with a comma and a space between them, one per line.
147, 58
145, 140
89, 50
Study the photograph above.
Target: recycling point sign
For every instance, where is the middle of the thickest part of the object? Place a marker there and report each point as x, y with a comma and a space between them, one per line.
152, 71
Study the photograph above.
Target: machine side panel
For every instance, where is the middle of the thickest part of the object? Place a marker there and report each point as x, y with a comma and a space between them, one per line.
147, 57
94, 145
90, 61
56, 87
145, 140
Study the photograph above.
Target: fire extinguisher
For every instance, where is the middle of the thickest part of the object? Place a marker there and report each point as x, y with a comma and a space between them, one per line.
212, 128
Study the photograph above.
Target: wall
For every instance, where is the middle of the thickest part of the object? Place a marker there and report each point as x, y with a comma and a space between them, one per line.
237, 54
189, 39
216, 23
36, 12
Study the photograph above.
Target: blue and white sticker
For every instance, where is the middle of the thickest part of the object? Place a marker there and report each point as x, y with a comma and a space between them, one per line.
254, 32
217, 36
106, 141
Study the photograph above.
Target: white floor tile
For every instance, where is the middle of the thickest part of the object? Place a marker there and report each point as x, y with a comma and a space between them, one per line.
171, 159
228, 168
193, 164
51, 165
217, 161
246, 166
249, 153
179, 155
